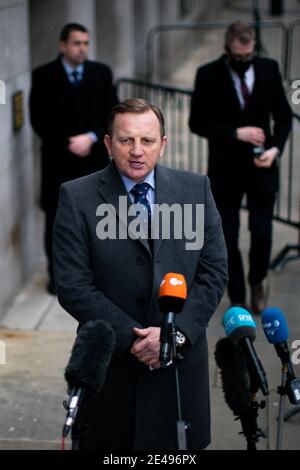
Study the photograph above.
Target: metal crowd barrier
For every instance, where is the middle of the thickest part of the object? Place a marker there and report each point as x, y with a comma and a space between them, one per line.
186, 40
293, 56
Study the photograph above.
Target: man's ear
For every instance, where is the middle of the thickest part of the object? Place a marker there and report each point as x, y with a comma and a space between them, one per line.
163, 146
62, 46
107, 142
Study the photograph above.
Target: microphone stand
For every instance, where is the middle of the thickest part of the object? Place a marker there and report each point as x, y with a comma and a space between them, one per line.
182, 426
290, 387
251, 431
282, 392
72, 406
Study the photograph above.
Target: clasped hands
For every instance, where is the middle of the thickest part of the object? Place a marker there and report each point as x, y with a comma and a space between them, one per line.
147, 346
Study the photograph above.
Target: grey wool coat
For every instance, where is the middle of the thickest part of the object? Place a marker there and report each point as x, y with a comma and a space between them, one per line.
117, 280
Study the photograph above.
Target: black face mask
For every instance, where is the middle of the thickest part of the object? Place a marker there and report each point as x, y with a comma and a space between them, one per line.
240, 66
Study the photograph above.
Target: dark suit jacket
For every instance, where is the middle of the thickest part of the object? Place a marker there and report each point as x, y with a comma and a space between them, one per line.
118, 281
59, 111
216, 113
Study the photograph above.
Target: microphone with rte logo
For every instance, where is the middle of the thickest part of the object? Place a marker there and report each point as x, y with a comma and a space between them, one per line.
172, 296
242, 373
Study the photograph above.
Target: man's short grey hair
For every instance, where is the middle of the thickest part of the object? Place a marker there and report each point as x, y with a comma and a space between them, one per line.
135, 106
241, 31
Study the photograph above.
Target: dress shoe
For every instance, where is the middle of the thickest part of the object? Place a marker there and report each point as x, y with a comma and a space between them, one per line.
258, 298
51, 287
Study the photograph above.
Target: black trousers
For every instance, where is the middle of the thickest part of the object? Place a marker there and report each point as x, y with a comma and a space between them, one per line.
261, 207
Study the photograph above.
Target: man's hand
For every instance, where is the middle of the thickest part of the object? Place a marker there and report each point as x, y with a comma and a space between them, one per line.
147, 346
266, 159
252, 135
80, 145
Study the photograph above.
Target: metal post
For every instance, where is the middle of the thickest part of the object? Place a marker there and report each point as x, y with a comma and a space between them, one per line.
257, 28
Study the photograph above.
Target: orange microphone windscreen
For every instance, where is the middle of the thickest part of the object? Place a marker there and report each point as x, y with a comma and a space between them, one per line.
172, 292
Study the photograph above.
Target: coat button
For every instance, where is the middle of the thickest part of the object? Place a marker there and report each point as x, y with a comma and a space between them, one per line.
141, 301
140, 260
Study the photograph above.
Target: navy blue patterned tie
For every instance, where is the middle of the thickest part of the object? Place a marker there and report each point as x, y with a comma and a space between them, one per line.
76, 81
139, 192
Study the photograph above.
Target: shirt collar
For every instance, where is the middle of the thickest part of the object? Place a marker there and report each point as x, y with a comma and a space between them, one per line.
129, 183
248, 74
70, 69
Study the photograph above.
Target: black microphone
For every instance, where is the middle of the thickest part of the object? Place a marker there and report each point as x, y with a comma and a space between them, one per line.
241, 329
172, 295
235, 381
87, 367
232, 363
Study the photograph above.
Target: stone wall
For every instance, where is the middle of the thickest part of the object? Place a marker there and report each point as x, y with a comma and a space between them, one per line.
17, 214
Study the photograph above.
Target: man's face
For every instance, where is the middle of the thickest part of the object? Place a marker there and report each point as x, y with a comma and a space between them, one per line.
75, 49
136, 144
241, 52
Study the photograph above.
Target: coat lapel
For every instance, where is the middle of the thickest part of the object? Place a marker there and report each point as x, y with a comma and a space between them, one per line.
86, 77
257, 84
111, 188
63, 76
226, 79
166, 192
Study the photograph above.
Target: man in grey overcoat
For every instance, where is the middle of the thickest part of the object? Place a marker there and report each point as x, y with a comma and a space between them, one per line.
105, 271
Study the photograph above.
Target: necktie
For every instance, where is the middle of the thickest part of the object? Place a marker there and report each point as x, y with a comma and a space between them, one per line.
139, 192
76, 80
245, 92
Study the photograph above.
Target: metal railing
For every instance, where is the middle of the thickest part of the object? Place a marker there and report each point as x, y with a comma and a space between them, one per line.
293, 56
168, 46
189, 152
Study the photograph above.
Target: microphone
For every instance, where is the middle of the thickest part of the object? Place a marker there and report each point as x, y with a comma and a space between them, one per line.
86, 370
240, 328
172, 295
235, 383
276, 331
232, 363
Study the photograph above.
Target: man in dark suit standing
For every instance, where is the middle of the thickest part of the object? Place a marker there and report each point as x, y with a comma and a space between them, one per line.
105, 269
234, 101
69, 103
